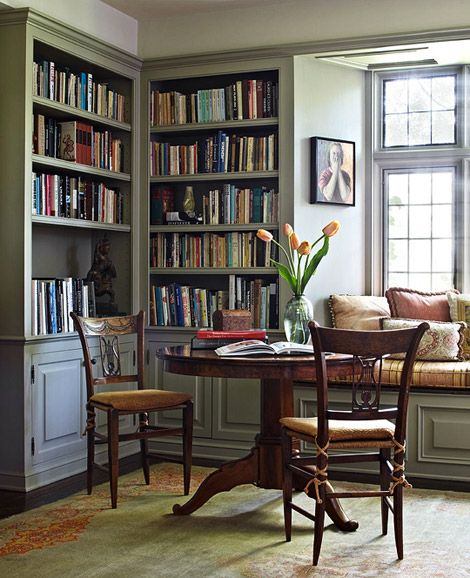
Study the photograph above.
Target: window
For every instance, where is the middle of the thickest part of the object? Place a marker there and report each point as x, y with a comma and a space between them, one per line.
419, 111
420, 165
420, 231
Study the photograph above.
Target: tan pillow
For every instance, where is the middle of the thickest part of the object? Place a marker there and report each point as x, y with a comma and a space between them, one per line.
441, 342
357, 311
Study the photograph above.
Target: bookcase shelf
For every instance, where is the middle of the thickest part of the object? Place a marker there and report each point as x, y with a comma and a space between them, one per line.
208, 126
204, 228
73, 167
246, 175
65, 111
79, 223
246, 271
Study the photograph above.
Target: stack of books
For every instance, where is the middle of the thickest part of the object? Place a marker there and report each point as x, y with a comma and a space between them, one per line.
211, 339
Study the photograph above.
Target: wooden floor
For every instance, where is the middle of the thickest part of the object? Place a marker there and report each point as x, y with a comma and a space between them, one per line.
15, 502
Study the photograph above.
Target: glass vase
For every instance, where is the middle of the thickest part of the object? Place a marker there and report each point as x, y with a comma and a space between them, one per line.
298, 312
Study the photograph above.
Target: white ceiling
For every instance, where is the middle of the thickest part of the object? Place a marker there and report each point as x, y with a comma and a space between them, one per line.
425, 54
152, 9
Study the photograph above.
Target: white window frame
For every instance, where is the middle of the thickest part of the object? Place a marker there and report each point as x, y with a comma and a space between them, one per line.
381, 159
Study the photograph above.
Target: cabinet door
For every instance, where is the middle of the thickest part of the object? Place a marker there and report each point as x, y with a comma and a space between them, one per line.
236, 414
199, 387
58, 405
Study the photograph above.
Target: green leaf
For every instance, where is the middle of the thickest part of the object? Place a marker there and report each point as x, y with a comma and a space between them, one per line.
286, 274
314, 262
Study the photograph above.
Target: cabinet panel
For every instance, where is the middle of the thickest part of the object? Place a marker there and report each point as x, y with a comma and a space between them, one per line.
236, 414
58, 406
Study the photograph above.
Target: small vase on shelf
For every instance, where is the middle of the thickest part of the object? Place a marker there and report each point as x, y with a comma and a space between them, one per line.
298, 312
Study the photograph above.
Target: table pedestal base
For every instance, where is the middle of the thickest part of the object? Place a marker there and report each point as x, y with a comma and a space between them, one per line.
245, 471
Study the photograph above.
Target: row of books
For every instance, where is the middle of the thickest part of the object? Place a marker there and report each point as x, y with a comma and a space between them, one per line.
231, 249
76, 198
220, 153
52, 301
185, 306
77, 142
233, 205
79, 89
243, 99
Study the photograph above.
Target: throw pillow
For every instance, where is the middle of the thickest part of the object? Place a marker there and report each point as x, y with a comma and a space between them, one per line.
459, 306
441, 342
412, 304
357, 311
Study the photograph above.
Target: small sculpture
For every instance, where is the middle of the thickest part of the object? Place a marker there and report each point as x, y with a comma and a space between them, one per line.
189, 204
102, 273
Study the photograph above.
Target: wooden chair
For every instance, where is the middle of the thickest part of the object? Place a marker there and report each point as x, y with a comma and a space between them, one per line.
116, 403
365, 427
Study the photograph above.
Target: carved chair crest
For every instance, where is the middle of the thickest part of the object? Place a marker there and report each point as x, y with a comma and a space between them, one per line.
366, 384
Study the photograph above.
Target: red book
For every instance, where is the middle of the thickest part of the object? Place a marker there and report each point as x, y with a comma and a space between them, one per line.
242, 334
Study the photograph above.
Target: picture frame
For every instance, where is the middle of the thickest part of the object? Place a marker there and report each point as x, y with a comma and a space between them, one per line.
333, 162
463, 313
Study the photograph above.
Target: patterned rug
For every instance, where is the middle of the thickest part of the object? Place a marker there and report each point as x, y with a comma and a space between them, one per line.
236, 534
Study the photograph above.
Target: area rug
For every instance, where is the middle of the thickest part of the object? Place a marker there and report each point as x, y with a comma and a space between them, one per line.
236, 534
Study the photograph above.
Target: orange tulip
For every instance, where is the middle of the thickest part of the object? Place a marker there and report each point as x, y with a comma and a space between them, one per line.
264, 235
331, 229
287, 230
304, 248
294, 241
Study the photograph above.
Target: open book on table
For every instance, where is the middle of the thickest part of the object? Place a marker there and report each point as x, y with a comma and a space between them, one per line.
258, 347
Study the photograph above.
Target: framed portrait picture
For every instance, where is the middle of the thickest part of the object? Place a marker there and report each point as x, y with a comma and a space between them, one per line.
333, 165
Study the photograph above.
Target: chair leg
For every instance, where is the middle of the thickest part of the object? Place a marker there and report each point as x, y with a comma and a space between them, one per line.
287, 483
319, 525
113, 454
90, 437
143, 423
384, 485
398, 520
187, 445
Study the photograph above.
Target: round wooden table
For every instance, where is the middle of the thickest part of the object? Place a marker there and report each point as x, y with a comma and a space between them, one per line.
277, 373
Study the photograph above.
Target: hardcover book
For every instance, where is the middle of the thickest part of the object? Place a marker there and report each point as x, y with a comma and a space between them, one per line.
258, 347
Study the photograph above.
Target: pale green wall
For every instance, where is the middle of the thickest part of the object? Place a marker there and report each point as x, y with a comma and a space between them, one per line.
329, 102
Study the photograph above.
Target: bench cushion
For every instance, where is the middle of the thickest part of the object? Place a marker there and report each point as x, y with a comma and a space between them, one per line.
434, 374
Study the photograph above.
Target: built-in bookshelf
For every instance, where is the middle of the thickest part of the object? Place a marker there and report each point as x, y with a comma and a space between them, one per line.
213, 181
81, 183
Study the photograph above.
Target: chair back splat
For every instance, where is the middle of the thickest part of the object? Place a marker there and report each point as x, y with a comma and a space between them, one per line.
365, 426
142, 400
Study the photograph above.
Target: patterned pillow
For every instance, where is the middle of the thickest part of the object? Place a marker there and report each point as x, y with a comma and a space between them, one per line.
459, 306
357, 311
411, 304
441, 342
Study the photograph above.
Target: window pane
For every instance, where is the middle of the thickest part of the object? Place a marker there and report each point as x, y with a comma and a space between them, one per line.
396, 130
420, 128
419, 111
441, 281
420, 221
420, 94
442, 221
420, 256
398, 222
420, 188
442, 187
443, 127
398, 256
398, 280
397, 189
443, 92
420, 281
396, 98
442, 255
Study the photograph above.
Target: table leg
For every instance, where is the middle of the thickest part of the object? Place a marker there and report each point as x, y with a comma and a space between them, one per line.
235, 473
